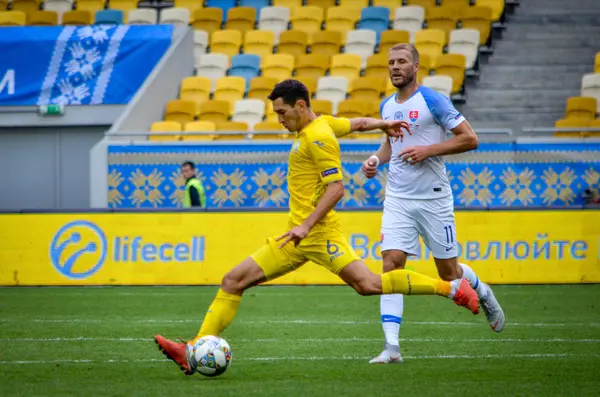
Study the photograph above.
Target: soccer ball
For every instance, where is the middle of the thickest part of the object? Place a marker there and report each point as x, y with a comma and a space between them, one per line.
211, 355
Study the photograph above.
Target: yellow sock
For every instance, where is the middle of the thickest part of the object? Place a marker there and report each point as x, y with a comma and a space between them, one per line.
220, 314
410, 283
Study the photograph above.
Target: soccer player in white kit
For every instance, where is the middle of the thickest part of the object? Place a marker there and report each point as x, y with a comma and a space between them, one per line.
418, 197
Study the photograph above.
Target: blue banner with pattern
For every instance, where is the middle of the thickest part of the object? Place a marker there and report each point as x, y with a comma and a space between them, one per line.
249, 176
78, 65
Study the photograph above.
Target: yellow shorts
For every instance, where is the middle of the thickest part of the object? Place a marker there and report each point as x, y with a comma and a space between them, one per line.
328, 248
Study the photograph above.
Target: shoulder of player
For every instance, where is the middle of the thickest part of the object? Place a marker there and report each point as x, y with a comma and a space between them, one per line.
432, 97
385, 101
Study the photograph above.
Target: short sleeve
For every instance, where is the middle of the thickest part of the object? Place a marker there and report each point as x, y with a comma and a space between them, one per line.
325, 151
339, 125
442, 109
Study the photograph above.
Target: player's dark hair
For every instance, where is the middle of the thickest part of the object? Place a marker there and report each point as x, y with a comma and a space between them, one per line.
192, 166
408, 47
290, 91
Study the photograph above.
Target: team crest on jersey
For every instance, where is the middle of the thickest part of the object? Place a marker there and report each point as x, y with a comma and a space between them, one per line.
398, 116
296, 146
413, 115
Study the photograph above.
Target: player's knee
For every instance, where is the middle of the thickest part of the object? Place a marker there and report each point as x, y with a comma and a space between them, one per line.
232, 284
449, 274
367, 287
393, 260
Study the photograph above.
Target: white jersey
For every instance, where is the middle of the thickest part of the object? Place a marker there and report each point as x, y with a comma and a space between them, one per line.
430, 115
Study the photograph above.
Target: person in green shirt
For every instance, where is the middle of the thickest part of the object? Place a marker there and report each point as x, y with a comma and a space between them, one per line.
194, 191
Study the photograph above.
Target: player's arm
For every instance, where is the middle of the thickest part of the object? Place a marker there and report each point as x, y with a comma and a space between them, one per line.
333, 194
464, 139
343, 126
383, 155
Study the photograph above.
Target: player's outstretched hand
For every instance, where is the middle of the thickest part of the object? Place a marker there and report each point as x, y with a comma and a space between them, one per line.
296, 235
394, 129
369, 168
415, 154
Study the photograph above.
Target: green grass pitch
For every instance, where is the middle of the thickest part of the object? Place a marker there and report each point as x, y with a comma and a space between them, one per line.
298, 341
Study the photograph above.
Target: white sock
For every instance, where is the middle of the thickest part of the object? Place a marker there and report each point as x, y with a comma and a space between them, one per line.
392, 307
472, 278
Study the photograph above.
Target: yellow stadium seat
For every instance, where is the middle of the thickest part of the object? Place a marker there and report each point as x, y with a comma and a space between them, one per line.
452, 65
92, 6
594, 124
479, 18
354, 108
425, 66
571, 123
259, 42
292, 42
26, 6
125, 6
326, 42
430, 42
457, 3
208, 19
77, 17
389, 38
342, 19
309, 82
358, 4
443, 18
241, 19
195, 89
346, 65
43, 18
261, 87
278, 66
497, 7
215, 111
226, 42
597, 63
164, 126
426, 4
199, 126
230, 89
180, 110
367, 88
291, 4
581, 108
270, 114
391, 4
307, 19
232, 126
324, 4
270, 126
191, 5
3, 5
312, 65
13, 18
389, 88
321, 106
377, 65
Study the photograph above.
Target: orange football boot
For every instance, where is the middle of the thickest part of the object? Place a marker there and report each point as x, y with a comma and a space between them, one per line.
466, 296
174, 351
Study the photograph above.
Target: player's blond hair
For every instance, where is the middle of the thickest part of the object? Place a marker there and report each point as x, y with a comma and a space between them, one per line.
408, 47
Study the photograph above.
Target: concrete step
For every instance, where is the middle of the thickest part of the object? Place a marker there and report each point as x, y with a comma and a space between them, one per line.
529, 6
530, 82
517, 98
557, 42
546, 52
587, 17
522, 79
526, 68
550, 59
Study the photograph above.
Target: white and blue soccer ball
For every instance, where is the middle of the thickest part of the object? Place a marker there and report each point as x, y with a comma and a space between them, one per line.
210, 355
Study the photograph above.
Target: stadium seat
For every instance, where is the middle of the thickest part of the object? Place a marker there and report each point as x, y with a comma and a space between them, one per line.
109, 17
367, 88
594, 124
497, 7
389, 38
164, 126
92, 6
458, 3
440, 83
581, 108
278, 66
275, 19
191, 5
256, 4
361, 42
332, 89
269, 126
249, 111
324, 4
391, 5
342, 19
200, 45
465, 42
376, 19
479, 18
43, 18
426, 4
571, 123
225, 5
409, 18
430, 42
321, 107
443, 18
346, 65
232, 126
312, 65
259, 42
59, 6
377, 66
124, 6
207, 19
309, 82
356, 4
389, 88
26, 6
230, 89
213, 66
180, 110
307, 19
77, 17
175, 16
226, 42
199, 126
195, 89
425, 66
142, 16
597, 63
293, 42
215, 111
291, 4
261, 87
354, 108
452, 65
326, 42
246, 66
270, 114
241, 19
590, 87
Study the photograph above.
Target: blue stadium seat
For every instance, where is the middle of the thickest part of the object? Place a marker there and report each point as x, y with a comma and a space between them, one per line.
109, 17
225, 5
258, 4
246, 66
375, 18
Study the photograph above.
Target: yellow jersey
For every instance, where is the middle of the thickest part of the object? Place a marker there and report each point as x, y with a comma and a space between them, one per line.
315, 162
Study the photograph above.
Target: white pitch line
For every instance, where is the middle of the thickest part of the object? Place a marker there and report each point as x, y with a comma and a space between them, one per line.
324, 358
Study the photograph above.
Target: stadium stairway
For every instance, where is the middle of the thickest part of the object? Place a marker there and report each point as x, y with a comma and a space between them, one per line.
538, 64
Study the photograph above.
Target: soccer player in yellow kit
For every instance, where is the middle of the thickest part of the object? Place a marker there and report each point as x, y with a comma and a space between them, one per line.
315, 184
